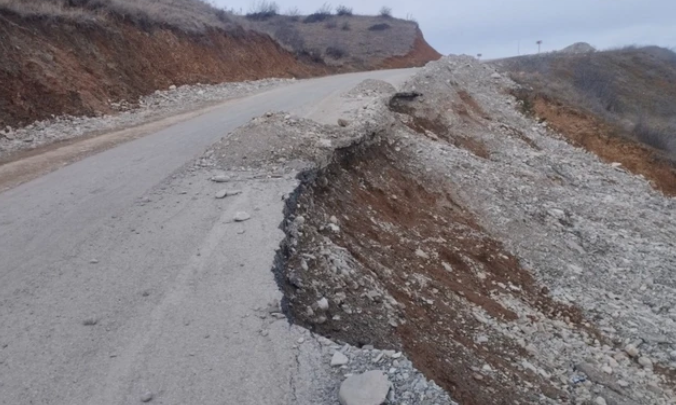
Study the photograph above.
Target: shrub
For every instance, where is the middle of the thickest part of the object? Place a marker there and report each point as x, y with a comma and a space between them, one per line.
322, 14
331, 24
662, 138
386, 12
343, 10
293, 14
335, 52
379, 27
263, 10
346, 26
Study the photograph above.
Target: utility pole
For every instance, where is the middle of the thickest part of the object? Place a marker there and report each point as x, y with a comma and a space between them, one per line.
518, 48
539, 45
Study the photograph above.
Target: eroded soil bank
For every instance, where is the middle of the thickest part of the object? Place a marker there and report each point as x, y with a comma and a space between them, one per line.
509, 265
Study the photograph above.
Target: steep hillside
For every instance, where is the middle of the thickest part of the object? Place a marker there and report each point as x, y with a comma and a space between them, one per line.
78, 56
350, 41
619, 104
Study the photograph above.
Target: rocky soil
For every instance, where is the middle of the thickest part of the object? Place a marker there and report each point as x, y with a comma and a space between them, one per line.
161, 103
508, 265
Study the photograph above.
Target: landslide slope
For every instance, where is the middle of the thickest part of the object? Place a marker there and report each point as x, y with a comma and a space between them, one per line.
619, 104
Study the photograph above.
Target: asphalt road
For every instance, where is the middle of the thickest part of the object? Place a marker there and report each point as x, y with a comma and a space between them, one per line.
122, 279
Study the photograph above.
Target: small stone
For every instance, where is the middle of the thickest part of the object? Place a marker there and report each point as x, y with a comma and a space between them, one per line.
482, 339
241, 216
369, 388
323, 304
172, 88
339, 359
600, 401
227, 193
673, 355
301, 341
343, 122
607, 369
645, 362
419, 252
93, 261
631, 350
220, 179
477, 377
623, 383
147, 397
333, 219
333, 228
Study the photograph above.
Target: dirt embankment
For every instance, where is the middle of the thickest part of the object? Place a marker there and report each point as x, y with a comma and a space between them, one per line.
61, 67
58, 66
419, 55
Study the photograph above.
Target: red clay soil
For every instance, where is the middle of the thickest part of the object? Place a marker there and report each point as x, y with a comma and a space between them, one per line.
421, 54
59, 67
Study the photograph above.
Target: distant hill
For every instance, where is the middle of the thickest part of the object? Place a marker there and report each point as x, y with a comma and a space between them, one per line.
578, 47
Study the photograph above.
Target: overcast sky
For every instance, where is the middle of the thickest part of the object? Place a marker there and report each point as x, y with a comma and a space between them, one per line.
499, 28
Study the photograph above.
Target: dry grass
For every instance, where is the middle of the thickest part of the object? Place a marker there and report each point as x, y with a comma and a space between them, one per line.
632, 89
185, 15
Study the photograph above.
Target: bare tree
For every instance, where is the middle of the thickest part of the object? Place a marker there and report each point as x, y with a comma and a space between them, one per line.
539, 45
479, 55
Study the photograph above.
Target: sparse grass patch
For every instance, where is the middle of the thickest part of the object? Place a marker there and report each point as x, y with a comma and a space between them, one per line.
322, 14
184, 15
346, 26
657, 136
331, 24
263, 10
